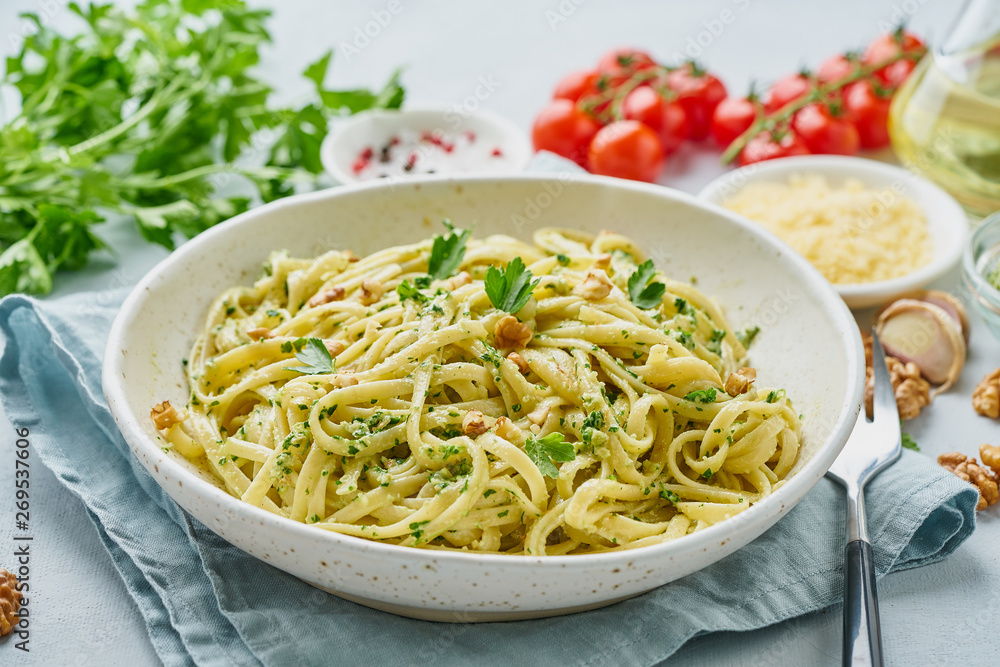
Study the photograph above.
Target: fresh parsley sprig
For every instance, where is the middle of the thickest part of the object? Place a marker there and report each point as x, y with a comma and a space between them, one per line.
543, 451
315, 358
447, 252
643, 293
510, 289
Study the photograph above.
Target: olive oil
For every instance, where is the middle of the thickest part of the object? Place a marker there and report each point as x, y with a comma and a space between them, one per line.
945, 123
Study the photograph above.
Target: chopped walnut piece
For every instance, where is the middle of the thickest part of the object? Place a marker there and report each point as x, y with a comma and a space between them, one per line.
260, 333
510, 332
519, 361
986, 395
602, 261
334, 347
912, 391
991, 457
459, 280
371, 291
505, 429
10, 602
595, 286
335, 293
474, 423
970, 471
164, 415
740, 381
344, 379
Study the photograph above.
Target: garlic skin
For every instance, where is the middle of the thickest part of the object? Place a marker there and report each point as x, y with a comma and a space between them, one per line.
926, 334
947, 302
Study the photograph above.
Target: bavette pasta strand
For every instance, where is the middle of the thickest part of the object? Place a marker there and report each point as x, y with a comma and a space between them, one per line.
369, 398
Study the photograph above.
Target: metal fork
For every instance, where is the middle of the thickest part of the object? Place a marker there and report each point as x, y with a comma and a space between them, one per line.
872, 447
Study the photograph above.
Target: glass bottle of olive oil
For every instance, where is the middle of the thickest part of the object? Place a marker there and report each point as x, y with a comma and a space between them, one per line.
945, 120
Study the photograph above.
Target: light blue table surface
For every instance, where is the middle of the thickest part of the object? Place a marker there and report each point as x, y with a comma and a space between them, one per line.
943, 614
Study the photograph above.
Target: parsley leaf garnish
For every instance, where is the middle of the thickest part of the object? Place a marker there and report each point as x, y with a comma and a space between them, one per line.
510, 290
774, 396
447, 252
702, 396
645, 294
910, 443
315, 357
409, 291
543, 451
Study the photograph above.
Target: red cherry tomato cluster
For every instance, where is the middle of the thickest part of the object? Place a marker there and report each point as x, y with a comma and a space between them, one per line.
627, 115
624, 117
841, 108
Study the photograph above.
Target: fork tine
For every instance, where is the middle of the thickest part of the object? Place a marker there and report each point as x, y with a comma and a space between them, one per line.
884, 399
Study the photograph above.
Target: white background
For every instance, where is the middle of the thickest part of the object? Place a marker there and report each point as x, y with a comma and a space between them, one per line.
941, 614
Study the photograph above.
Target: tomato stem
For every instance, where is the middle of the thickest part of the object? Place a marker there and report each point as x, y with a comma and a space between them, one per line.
819, 93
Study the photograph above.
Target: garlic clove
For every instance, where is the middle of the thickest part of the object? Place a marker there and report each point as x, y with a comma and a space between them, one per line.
944, 301
927, 335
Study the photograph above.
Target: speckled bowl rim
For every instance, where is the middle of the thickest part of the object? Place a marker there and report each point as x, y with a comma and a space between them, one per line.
756, 518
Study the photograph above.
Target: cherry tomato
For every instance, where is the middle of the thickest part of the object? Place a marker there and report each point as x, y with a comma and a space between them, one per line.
666, 118
565, 130
836, 67
618, 60
627, 149
733, 117
766, 147
888, 45
698, 92
786, 90
824, 132
867, 105
576, 85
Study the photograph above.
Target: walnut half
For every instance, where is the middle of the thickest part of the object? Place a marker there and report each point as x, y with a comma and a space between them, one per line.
164, 416
10, 601
969, 470
510, 332
474, 423
595, 286
986, 395
740, 381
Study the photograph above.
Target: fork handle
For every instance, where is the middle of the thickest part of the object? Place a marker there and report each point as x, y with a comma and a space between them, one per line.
862, 635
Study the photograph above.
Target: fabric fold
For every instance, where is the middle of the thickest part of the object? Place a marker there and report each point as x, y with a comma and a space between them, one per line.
207, 602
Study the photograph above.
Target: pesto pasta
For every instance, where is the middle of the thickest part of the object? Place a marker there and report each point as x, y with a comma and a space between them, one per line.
559, 397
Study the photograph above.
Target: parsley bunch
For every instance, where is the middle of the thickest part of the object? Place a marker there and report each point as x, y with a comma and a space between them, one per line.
146, 112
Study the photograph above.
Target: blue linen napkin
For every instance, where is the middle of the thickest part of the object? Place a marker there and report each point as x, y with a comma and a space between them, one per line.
207, 602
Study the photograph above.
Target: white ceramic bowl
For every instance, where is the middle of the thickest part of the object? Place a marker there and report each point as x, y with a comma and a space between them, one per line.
351, 135
809, 344
946, 221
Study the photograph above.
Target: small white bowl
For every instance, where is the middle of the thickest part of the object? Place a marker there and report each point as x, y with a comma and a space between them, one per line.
350, 136
947, 223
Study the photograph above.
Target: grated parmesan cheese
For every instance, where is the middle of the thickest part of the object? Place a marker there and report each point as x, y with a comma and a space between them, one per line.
852, 234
